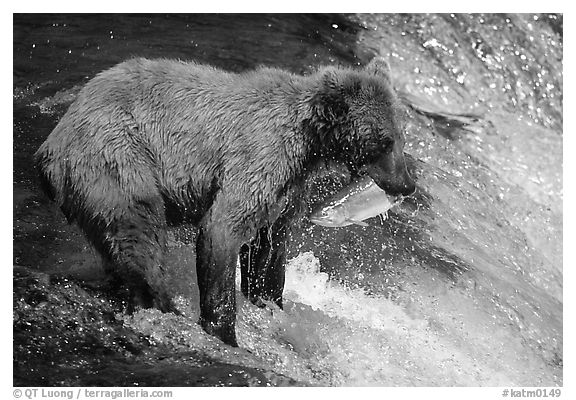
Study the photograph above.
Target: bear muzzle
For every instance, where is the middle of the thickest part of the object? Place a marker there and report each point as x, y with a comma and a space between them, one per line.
392, 177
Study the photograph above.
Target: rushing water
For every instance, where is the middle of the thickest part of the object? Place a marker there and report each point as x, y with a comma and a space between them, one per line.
460, 285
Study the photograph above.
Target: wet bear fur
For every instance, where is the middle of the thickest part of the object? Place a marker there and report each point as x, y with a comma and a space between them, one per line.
153, 143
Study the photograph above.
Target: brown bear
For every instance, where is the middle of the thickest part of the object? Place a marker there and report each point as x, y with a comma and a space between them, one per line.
149, 143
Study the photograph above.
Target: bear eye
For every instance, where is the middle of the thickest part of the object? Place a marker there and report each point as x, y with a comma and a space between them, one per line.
388, 145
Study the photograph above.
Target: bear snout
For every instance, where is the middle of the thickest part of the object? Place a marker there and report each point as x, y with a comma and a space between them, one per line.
405, 187
393, 179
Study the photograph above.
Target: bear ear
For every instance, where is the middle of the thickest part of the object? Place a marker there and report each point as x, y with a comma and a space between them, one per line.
379, 67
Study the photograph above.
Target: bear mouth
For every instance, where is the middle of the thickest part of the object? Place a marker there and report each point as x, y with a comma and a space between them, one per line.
393, 186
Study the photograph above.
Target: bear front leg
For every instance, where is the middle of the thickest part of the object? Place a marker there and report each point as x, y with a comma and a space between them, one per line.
262, 265
216, 256
275, 272
254, 260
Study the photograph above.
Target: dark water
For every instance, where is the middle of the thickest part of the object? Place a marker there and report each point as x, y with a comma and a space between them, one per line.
460, 285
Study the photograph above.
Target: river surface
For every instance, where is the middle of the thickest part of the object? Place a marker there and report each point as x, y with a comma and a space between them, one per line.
461, 285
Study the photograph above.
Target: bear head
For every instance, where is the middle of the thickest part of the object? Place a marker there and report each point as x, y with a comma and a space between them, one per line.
362, 124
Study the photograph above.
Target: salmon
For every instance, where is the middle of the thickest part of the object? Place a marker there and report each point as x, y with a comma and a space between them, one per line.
355, 203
